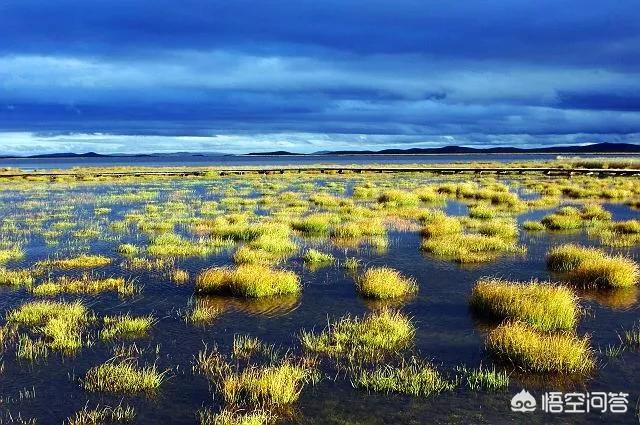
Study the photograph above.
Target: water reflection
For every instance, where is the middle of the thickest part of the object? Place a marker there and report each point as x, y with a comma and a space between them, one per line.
266, 306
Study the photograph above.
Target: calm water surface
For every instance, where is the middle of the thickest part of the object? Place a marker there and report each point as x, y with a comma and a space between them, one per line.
447, 333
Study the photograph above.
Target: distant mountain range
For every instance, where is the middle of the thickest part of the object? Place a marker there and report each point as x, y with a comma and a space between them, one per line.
448, 150
608, 148
114, 155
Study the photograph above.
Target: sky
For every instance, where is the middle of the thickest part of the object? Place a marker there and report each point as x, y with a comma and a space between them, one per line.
306, 75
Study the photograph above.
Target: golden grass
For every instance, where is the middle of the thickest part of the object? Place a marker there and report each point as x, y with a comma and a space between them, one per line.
271, 386
60, 323
81, 262
84, 285
385, 283
413, 377
541, 305
10, 254
536, 351
102, 415
470, 248
593, 267
374, 335
248, 280
122, 377
126, 327
315, 257
17, 277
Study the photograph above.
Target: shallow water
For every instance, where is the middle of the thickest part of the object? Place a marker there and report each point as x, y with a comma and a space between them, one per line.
244, 160
448, 333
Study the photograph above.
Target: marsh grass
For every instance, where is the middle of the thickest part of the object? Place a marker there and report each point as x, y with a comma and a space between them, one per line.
631, 337
173, 245
17, 277
351, 264
229, 417
268, 387
249, 280
84, 261
126, 327
244, 346
470, 248
533, 226
123, 376
102, 415
536, 351
385, 283
313, 257
375, 335
591, 267
128, 249
84, 285
413, 377
203, 313
11, 254
61, 324
179, 276
541, 305
485, 379
30, 349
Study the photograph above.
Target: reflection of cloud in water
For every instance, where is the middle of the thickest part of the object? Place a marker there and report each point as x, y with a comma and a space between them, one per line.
615, 298
266, 306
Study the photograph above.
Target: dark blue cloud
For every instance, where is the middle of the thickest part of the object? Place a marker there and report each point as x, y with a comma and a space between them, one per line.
391, 72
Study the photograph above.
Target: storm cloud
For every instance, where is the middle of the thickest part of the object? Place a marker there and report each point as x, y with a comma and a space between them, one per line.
237, 76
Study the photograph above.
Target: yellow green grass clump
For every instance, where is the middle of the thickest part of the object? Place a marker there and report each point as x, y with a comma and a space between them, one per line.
249, 280
592, 266
102, 415
384, 283
126, 327
84, 285
541, 305
272, 386
10, 254
61, 324
173, 245
413, 377
376, 334
16, 277
203, 313
313, 257
84, 261
536, 351
117, 376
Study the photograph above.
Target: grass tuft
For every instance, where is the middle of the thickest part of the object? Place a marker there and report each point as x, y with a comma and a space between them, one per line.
248, 280
126, 327
376, 334
385, 283
414, 378
593, 267
122, 377
536, 351
541, 305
